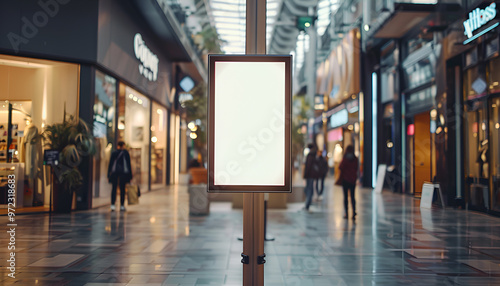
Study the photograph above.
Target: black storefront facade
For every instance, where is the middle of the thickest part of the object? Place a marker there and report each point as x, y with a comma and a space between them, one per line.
406, 48
101, 61
437, 92
473, 80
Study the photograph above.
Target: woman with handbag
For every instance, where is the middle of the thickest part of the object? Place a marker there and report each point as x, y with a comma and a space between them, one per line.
347, 178
119, 173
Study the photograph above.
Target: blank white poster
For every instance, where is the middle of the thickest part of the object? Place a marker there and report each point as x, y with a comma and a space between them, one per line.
249, 127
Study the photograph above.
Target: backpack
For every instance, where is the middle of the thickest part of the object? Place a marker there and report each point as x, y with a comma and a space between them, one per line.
315, 168
323, 166
120, 165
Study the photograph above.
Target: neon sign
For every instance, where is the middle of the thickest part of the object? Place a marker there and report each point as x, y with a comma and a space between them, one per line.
478, 18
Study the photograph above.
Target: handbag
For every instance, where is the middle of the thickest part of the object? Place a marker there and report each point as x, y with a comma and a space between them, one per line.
339, 180
132, 194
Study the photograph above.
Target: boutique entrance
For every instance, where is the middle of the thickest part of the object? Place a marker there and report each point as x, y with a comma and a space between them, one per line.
419, 152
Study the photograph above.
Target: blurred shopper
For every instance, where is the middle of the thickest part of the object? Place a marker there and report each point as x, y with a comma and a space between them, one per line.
347, 178
323, 170
311, 173
119, 173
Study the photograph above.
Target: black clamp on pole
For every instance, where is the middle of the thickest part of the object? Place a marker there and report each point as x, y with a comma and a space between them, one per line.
260, 259
245, 259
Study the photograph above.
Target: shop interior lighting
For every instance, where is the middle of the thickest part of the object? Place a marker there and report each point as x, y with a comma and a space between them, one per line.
441, 119
130, 96
24, 64
135, 98
411, 130
193, 135
497, 125
474, 127
154, 139
191, 125
139, 101
433, 114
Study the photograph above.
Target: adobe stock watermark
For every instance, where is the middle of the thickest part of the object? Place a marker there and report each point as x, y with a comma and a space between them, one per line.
39, 19
11, 225
253, 144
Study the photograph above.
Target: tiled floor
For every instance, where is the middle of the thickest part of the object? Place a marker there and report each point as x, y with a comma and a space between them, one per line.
392, 242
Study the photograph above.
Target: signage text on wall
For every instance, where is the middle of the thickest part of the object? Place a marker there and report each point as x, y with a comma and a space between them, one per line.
149, 61
478, 18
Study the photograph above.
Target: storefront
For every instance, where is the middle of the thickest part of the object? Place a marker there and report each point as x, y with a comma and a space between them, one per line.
389, 94
338, 82
34, 93
112, 74
478, 68
419, 100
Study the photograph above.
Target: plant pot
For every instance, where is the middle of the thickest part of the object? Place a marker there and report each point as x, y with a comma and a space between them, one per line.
62, 199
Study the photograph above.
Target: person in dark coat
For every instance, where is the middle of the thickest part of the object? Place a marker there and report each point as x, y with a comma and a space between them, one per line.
323, 170
311, 173
119, 173
348, 176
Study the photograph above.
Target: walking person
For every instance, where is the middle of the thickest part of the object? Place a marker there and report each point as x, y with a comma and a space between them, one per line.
347, 178
119, 173
323, 170
311, 173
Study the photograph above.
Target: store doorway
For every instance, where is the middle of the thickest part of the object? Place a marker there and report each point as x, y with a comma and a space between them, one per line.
421, 151
495, 152
477, 155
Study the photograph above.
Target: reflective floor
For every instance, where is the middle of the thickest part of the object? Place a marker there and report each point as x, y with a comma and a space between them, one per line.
392, 242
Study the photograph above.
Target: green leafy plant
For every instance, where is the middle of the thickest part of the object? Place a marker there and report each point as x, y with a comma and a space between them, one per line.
196, 109
208, 41
73, 139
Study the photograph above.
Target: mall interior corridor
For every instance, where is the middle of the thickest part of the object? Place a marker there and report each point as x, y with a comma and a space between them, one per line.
392, 242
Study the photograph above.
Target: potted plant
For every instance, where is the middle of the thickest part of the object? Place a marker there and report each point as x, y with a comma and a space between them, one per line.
73, 139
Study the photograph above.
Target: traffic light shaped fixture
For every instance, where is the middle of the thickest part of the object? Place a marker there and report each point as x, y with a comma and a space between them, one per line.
304, 22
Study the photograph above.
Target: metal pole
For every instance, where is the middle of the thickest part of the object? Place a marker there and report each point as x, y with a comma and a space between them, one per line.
253, 203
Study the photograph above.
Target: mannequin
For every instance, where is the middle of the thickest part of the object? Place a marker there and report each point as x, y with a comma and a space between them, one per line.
33, 160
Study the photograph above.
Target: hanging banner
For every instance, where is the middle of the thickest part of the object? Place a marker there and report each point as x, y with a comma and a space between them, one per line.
249, 113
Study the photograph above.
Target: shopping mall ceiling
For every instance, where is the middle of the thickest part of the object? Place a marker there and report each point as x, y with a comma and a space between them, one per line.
228, 17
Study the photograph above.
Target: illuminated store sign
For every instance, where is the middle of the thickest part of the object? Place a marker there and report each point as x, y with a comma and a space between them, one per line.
340, 118
149, 61
478, 18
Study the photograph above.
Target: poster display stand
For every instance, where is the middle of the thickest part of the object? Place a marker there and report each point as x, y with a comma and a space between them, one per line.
382, 168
